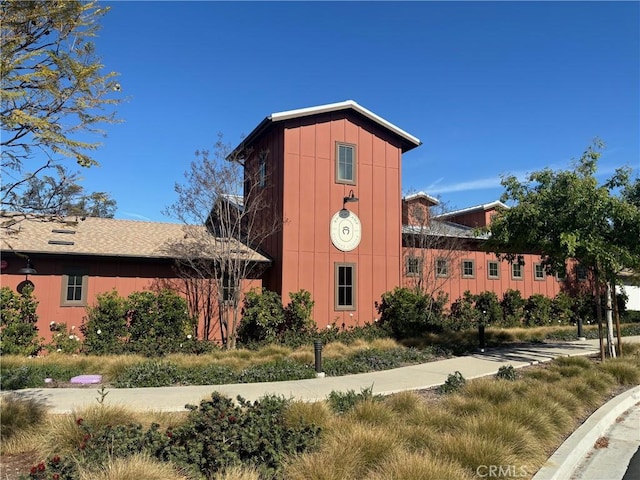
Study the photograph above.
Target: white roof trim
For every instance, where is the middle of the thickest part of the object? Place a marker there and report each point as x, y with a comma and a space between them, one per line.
433, 200
484, 206
348, 104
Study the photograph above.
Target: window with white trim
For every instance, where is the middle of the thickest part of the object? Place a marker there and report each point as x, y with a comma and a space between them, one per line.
442, 267
493, 269
581, 273
516, 271
414, 266
538, 271
345, 163
74, 287
345, 281
468, 269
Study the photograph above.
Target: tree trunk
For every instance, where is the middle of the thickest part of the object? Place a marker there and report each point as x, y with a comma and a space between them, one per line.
611, 348
616, 315
599, 314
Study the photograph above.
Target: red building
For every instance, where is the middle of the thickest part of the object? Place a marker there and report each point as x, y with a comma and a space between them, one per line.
333, 174
74, 259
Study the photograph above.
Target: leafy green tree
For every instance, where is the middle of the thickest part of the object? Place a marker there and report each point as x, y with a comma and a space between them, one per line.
570, 214
54, 93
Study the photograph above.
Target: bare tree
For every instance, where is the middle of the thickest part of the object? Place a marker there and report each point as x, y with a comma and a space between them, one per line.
431, 247
224, 208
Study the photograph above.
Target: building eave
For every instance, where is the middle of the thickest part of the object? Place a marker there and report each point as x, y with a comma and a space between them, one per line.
476, 208
409, 140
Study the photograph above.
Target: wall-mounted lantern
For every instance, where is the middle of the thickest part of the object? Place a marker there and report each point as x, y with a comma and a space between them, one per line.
28, 270
348, 199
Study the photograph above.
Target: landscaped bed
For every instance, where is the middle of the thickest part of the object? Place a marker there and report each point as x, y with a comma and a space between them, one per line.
516, 420
267, 364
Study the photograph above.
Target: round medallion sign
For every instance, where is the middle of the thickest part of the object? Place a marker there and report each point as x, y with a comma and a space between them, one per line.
345, 230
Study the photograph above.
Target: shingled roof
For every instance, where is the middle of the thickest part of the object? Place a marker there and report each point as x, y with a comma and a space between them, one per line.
105, 237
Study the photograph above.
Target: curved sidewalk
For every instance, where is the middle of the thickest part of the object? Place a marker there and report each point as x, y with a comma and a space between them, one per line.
416, 377
578, 458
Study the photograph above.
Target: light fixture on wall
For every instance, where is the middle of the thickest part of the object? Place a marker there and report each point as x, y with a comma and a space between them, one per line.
348, 199
28, 270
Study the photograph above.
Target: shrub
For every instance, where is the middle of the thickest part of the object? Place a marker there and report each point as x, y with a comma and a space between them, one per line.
19, 333
512, 305
407, 313
34, 375
507, 372
631, 316
373, 360
455, 381
562, 309
463, 315
277, 371
148, 323
262, 317
537, 310
18, 414
152, 373
488, 307
63, 340
157, 316
584, 307
208, 375
297, 313
105, 326
342, 402
220, 433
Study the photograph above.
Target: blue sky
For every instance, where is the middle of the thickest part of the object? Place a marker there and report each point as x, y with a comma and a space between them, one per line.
490, 88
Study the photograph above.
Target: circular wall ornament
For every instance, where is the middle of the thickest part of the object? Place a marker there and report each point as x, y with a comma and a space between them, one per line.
346, 230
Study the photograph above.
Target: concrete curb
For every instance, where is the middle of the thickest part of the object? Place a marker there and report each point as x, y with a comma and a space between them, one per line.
566, 459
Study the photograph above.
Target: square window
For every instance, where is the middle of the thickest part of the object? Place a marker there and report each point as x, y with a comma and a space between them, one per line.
581, 273
561, 276
345, 163
493, 269
345, 293
74, 288
468, 269
442, 267
516, 271
414, 266
538, 271
228, 289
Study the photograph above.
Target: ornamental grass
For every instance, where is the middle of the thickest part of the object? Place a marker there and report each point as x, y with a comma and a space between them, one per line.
135, 467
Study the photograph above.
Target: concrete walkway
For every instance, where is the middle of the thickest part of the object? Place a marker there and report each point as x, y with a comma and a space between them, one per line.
417, 377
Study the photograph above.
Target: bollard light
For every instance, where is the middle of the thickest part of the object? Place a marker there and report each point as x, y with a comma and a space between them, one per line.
317, 347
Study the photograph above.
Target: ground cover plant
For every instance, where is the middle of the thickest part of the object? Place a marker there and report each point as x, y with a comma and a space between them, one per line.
271, 362
510, 420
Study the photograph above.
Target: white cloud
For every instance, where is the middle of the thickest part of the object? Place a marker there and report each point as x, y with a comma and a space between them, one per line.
478, 184
136, 216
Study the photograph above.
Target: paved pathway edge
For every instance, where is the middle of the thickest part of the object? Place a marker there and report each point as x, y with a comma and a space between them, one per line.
572, 452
